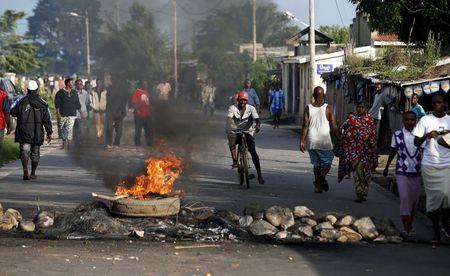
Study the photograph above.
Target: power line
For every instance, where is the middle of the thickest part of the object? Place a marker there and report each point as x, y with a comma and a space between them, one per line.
340, 15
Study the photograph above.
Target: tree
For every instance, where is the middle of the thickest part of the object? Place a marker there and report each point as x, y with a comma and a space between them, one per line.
16, 54
221, 32
339, 35
137, 50
61, 38
411, 20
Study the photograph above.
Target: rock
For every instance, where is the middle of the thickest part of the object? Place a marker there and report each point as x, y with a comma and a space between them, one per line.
229, 216
381, 239
330, 234
394, 239
204, 215
280, 216
16, 214
44, 220
385, 227
258, 215
137, 233
27, 226
342, 239
366, 228
282, 235
1, 210
309, 221
8, 222
245, 221
331, 219
261, 227
323, 225
302, 211
345, 221
302, 229
350, 234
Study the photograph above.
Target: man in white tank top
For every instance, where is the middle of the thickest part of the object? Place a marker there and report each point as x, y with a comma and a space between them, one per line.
318, 120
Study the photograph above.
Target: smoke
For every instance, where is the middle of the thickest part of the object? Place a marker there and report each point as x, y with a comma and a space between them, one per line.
189, 13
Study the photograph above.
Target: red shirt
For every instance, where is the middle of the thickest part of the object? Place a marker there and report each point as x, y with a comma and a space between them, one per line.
141, 102
4, 108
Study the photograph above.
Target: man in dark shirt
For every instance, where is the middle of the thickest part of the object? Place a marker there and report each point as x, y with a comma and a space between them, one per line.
66, 104
115, 111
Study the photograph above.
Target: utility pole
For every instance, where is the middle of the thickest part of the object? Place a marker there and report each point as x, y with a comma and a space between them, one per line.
312, 48
117, 14
254, 29
88, 48
175, 54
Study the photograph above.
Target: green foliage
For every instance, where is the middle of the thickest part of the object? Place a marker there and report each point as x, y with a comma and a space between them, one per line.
339, 35
61, 38
432, 51
400, 16
137, 50
224, 30
16, 55
10, 151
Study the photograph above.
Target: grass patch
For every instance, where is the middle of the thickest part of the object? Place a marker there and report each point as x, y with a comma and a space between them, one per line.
10, 150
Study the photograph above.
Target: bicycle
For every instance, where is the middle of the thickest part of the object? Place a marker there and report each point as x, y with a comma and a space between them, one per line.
242, 156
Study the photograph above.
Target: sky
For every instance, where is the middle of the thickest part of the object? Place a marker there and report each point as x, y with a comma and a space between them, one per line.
326, 11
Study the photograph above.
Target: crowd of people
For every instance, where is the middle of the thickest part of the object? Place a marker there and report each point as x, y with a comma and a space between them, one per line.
422, 148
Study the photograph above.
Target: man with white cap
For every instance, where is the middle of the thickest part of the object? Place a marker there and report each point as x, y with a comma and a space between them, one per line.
33, 116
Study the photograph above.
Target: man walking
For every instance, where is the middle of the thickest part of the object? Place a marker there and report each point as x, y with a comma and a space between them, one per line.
80, 126
67, 104
436, 164
5, 122
318, 119
98, 104
142, 111
253, 98
115, 112
208, 97
32, 116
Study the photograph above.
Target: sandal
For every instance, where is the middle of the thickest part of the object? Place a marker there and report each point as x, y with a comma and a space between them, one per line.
25, 175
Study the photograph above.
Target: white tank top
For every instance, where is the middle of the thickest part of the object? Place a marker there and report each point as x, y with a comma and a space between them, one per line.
318, 137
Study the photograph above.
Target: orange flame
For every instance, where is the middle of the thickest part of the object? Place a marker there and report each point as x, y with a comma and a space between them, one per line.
159, 179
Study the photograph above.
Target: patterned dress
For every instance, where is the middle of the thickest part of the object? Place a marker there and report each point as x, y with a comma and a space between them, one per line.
358, 151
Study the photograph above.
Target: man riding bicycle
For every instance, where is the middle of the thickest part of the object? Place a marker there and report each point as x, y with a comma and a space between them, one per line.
243, 119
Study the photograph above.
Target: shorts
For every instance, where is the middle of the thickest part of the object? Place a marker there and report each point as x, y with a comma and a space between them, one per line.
321, 157
277, 112
233, 141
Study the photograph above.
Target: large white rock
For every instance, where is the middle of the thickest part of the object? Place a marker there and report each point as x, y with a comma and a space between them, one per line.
323, 225
8, 222
309, 221
331, 219
245, 221
261, 227
16, 214
281, 235
27, 226
280, 216
302, 211
345, 221
350, 234
366, 228
44, 220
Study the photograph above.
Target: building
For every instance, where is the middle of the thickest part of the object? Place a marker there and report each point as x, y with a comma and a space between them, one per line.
295, 70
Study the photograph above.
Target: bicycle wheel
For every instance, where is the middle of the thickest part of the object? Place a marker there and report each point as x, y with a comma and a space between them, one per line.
240, 168
244, 158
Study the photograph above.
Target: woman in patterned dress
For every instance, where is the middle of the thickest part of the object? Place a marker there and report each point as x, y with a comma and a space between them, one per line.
358, 150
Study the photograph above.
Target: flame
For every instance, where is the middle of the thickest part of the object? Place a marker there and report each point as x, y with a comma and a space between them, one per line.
159, 178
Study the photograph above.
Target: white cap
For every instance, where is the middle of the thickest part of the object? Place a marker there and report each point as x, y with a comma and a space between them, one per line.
32, 85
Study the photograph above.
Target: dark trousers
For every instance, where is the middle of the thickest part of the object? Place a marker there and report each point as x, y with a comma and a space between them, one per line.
113, 124
139, 124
